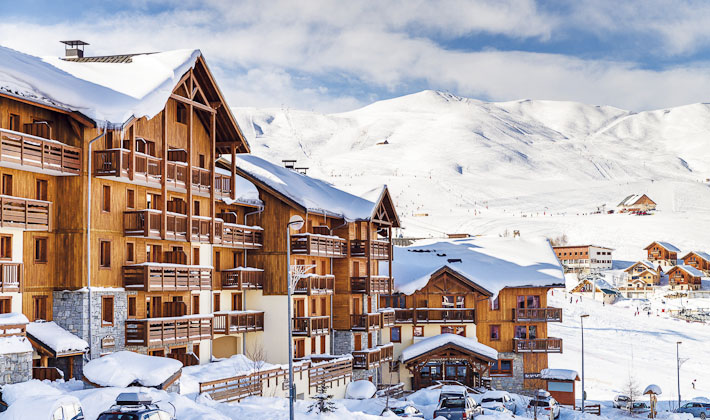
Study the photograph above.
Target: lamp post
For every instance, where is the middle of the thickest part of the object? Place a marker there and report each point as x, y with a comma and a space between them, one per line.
295, 222
677, 364
581, 320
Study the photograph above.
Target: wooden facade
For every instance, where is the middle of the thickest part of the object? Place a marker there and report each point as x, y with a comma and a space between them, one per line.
698, 260
683, 278
662, 253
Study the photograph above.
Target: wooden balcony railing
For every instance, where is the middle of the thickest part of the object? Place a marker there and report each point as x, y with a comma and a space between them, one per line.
11, 330
147, 223
379, 250
201, 180
37, 152
234, 322
386, 352
153, 277
372, 358
241, 236
318, 245
315, 285
187, 359
163, 331
117, 162
311, 325
538, 345
10, 276
25, 213
371, 285
388, 318
434, 315
222, 185
201, 229
367, 322
176, 174
242, 278
537, 314
47, 373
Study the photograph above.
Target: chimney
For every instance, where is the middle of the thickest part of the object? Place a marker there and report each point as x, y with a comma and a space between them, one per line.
74, 49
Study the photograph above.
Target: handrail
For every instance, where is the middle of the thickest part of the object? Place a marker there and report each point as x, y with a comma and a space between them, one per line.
33, 151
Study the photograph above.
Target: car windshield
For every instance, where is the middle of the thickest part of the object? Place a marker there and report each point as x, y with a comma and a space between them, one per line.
453, 403
118, 416
539, 403
397, 410
485, 400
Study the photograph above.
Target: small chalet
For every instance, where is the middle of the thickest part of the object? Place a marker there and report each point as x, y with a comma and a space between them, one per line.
636, 203
663, 253
598, 289
561, 384
699, 260
645, 272
61, 352
684, 277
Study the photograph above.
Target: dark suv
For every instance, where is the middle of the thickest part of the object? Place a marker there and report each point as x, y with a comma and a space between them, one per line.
134, 406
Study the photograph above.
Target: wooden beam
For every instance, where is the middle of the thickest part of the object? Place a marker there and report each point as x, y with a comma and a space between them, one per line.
163, 180
193, 103
190, 204
132, 148
234, 173
213, 135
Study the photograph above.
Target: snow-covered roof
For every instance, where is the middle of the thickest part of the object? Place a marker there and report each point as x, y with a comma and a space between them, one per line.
631, 200
559, 374
108, 93
313, 194
652, 389
492, 263
125, 368
15, 344
57, 338
601, 284
665, 245
690, 270
432, 343
701, 254
645, 263
245, 191
29, 389
13, 318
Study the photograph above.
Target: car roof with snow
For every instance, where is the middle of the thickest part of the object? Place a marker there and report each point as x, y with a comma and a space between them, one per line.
37, 407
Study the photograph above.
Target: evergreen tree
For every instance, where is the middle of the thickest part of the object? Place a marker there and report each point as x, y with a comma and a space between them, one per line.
322, 401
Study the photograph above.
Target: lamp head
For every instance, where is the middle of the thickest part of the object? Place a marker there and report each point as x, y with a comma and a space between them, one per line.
584, 316
296, 222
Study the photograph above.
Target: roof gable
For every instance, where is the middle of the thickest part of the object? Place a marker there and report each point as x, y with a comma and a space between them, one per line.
384, 211
702, 255
665, 245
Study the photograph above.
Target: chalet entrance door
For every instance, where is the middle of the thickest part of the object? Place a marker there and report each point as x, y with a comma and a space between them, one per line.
456, 371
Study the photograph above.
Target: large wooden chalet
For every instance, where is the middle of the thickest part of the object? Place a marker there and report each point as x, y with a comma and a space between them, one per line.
662, 253
699, 260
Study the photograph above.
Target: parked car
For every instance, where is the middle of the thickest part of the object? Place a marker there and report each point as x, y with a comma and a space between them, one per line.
492, 398
546, 404
639, 407
134, 406
453, 391
457, 409
697, 409
49, 407
405, 410
621, 401
496, 408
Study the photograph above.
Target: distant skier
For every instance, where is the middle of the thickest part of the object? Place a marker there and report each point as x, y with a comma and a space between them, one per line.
693, 383
570, 299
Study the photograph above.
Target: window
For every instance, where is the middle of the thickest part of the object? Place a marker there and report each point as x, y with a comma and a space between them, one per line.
202, 162
458, 330
196, 208
181, 113
195, 304
131, 306
314, 346
502, 367
418, 331
216, 303
196, 256
130, 199
322, 344
106, 310
41, 190
130, 252
396, 334
5, 247
40, 250
217, 261
106, 198
5, 305
523, 332
495, 332
39, 307
105, 254
236, 301
452, 301
300, 348
108, 140
14, 122
7, 184
495, 304
528, 302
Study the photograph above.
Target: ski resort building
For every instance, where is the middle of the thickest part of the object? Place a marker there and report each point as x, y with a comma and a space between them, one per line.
685, 277
597, 288
640, 280
699, 260
637, 203
492, 293
584, 258
662, 253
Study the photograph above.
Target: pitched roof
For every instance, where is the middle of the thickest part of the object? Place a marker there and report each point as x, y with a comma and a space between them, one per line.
559, 374
689, 269
633, 199
701, 254
55, 338
646, 263
430, 344
665, 245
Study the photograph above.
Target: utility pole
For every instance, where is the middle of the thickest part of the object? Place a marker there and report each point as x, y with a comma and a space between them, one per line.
297, 223
677, 362
581, 320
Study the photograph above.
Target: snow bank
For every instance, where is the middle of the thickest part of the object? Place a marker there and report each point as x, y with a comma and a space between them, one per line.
360, 390
430, 343
125, 368
233, 366
56, 337
29, 389
38, 407
492, 263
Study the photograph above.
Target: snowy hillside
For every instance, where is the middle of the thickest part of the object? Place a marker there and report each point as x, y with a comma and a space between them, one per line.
478, 167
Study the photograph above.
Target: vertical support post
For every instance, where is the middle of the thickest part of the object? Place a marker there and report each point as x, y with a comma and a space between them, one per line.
132, 148
213, 134
389, 262
163, 180
291, 393
188, 181
233, 192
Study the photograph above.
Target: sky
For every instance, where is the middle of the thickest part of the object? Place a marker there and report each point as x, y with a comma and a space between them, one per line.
334, 56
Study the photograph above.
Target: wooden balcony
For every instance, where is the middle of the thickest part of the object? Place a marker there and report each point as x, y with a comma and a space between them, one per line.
311, 325
365, 322
154, 277
201, 180
318, 245
241, 236
163, 331
315, 285
371, 285
372, 358
537, 315
10, 277
37, 154
435, 315
539, 345
379, 250
147, 224
222, 186
242, 278
235, 322
201, 229
388, 318
25, 214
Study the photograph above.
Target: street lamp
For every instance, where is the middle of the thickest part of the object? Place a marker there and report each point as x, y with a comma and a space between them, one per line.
295, 222
677, 364
581, 320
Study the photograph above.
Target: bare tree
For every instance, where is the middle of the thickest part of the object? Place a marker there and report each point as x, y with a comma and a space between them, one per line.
257, 356
631, 388
559, 240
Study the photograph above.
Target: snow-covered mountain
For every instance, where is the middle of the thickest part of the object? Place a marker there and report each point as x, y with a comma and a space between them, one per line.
461, 165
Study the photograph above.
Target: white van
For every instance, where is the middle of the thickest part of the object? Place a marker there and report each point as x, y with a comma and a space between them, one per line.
50, 407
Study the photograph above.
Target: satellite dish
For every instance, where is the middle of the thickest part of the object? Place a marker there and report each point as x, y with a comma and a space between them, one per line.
296, 222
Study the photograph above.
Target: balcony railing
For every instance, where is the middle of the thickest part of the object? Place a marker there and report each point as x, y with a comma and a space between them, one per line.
10, 276
234, 322
372, 358
379, 250
242, 278
147, 223
36, 152
163, 331
371, 285
315, 285
241, 236
201, 229
311, 325
318, 245
154, 277
435, 315
176, 174
201, 179
537, 314
222, 185
25, 213
538, 345
365, 321
388, 318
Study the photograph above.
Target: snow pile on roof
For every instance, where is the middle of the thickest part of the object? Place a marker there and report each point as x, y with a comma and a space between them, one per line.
701, 254
108, 93
667, 246
313, 194
431, 343
646, 263
233, 366
125, 368
244, 191
630, 200
13, 343
691, 270
13, 318
492, 263
37, 407
652, 389
56, 337
559, 374
360, 390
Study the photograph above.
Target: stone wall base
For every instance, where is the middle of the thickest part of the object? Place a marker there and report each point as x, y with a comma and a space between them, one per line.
15, 367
